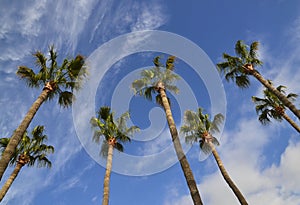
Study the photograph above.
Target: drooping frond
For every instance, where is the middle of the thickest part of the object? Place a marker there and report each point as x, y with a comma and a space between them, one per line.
65, 98
28, 74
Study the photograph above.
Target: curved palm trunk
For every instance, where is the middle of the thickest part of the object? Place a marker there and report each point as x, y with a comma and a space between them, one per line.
280, 96
226, 176
292, 122
19, 132
179, 151
10, 180
107, 175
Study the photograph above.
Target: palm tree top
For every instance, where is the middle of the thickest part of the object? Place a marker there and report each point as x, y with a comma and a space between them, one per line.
32, 148
159, 77
237, 68
59, 79
198, 127
114, 131
270, 105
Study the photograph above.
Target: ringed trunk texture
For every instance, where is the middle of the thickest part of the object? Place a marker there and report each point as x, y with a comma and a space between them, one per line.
280, 96
179, 152
226, 176
107, 175
19, 132
10, 180
292, 122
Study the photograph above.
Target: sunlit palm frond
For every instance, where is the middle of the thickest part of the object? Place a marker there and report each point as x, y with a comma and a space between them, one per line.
170, 63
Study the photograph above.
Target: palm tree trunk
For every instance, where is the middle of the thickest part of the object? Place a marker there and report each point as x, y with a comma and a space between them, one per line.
280, 96
19, 132
179, 151
107, 175
226, 176
10, 180
292, 122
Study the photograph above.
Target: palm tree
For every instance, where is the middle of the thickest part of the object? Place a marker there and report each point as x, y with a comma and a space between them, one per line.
30, 151
240, 67
56, 81
157, 80
114, 133
199, 128
271, 107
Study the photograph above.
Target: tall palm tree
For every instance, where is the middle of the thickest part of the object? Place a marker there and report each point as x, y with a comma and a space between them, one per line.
271, 107
56, 81
238, 68
157, 80
30, 151
199, 128
114, 133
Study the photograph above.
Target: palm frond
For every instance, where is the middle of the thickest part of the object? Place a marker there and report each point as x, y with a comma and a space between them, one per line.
217, 121
170, 63
65, 99
119, 147
190, 139
205, 147
242, 81
28, 74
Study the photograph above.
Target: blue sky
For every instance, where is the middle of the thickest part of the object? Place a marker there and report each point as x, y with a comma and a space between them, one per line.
262, 160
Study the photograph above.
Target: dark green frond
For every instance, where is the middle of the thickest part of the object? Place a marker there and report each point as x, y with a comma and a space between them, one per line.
65, 99
28, 74
254, 49
41, 62
264, 117
241, 49
242, 81
104, 113
76, 67
119, 147
148, 91
292, 96
156, 61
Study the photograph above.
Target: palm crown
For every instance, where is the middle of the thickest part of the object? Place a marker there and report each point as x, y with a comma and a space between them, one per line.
31, 149
113, 131
159, 77
270, 105
198, 127
237, 68
60, 80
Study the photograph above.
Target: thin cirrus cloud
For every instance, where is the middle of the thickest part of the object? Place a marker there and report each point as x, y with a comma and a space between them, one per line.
63, 24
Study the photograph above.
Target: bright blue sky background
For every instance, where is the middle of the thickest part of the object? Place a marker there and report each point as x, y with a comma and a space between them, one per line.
262, 160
